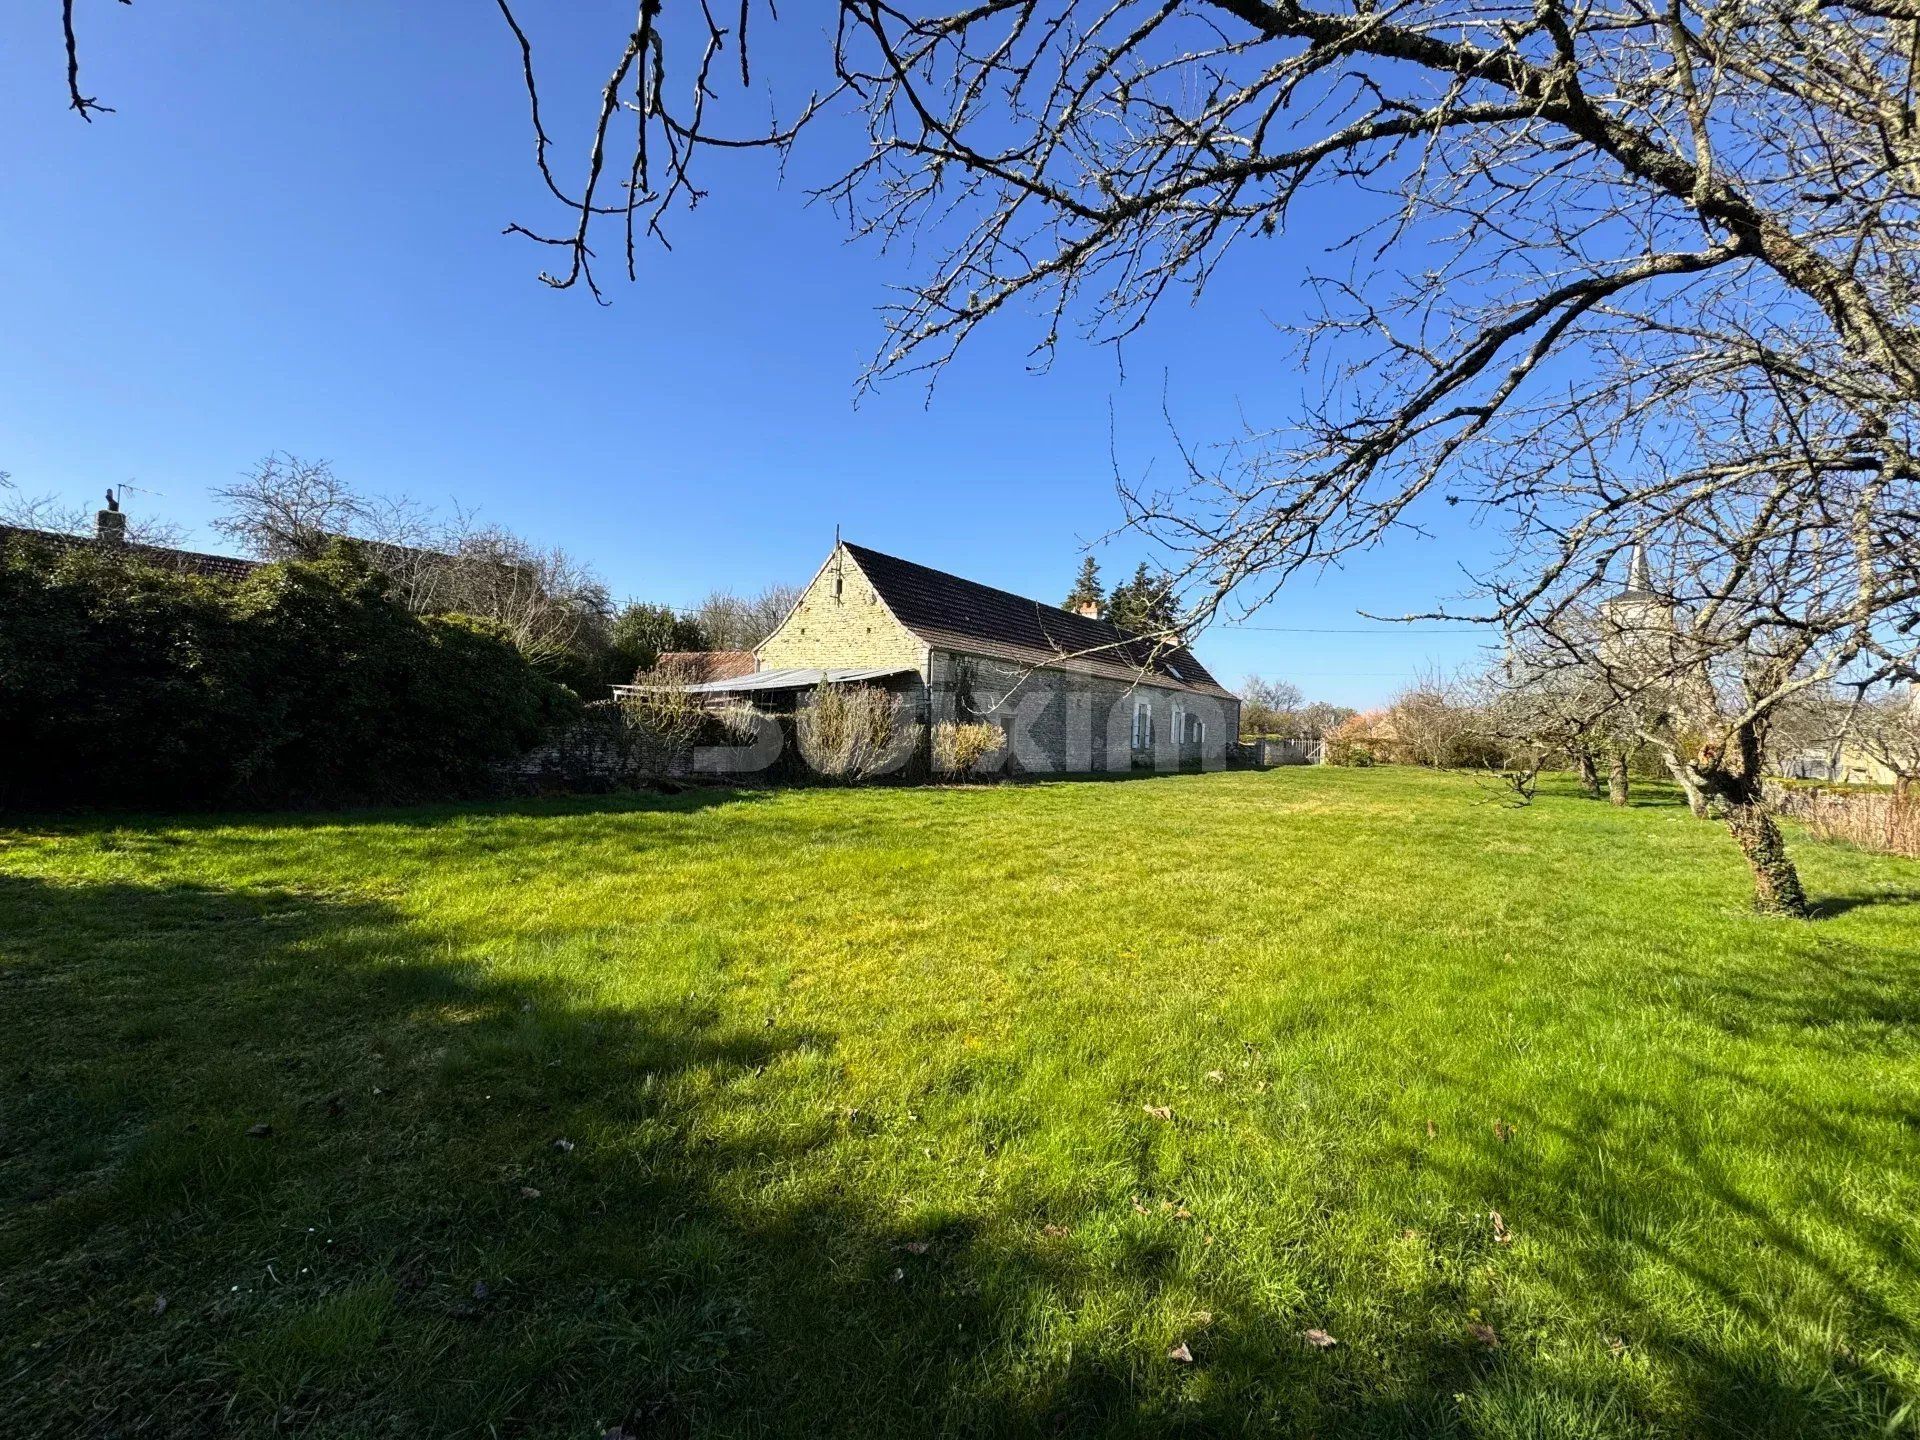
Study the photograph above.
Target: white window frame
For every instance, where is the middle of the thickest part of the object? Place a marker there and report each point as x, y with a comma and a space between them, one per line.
1179, 723
1142, 724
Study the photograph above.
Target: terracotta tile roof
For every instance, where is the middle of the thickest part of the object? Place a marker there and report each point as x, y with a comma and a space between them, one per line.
220, 567
951, 613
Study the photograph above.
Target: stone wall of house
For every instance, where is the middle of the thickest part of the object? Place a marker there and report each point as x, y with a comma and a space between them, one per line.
840, 622
1056, 722
1059, 722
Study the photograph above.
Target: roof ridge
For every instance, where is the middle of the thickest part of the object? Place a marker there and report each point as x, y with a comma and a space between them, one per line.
1061, 610
92, 542
941, 608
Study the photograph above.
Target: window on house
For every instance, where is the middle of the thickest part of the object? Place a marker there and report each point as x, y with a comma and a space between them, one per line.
1179, 725
1142, 724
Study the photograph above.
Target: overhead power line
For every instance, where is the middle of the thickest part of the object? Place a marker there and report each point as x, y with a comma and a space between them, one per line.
1462, 629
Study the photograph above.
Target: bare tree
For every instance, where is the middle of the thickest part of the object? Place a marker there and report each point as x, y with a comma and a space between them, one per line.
1563, 696
1617, 274
1538, 713
286, 508
550, 604
1613, 274
1269, 707
1314, 719
740, 622
1438, 721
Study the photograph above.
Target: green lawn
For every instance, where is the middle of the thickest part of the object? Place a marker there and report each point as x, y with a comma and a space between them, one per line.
840, 1112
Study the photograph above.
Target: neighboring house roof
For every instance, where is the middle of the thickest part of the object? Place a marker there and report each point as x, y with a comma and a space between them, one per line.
954, 614
707, 665
194, 562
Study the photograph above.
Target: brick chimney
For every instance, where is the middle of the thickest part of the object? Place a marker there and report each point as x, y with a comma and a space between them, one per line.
109, 525
1088, 608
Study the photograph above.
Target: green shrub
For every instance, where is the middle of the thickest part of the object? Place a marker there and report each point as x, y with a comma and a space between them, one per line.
306, 683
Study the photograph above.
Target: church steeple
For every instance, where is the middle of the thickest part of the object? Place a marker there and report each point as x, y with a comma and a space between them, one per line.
1639, 623
1638, 579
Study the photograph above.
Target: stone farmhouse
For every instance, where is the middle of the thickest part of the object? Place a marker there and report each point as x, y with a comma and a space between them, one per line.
1073, 693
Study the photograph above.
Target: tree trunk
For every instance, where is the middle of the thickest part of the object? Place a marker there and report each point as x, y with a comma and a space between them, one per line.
1696, 797
1776, 884
1589, 773
1732, 776
1618, 786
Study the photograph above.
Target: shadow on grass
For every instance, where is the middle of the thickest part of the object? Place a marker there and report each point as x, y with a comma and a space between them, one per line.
1650, 1212
484, 1204
681, 801
1831, 905
272, 1162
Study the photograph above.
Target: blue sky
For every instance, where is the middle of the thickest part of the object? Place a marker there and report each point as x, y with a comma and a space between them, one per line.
287, 237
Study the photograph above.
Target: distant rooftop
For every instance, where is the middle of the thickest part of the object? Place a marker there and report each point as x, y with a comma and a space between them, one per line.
164, 557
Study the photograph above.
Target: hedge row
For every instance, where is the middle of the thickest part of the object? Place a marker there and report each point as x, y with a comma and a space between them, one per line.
306, 683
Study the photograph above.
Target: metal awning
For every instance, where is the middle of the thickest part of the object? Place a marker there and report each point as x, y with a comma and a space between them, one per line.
761, 680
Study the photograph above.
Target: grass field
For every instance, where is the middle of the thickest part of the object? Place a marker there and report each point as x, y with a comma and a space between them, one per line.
954, 1111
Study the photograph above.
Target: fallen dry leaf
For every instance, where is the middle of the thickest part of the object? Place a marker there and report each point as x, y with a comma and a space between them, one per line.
1484, 1334
915, 1247
159, 1305
1218, 1077
1501, 1235
1319, 1339
898, 1275
1502, 1131
1054, 1232
1432, 1130
527, 1192
1159, 1112
260, 1131
563, 1145
1181, 1353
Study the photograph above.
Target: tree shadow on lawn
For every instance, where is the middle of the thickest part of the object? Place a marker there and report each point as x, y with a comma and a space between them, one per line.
1829, 906
412, 1247
1767, 1300
684, 801
477, 1205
